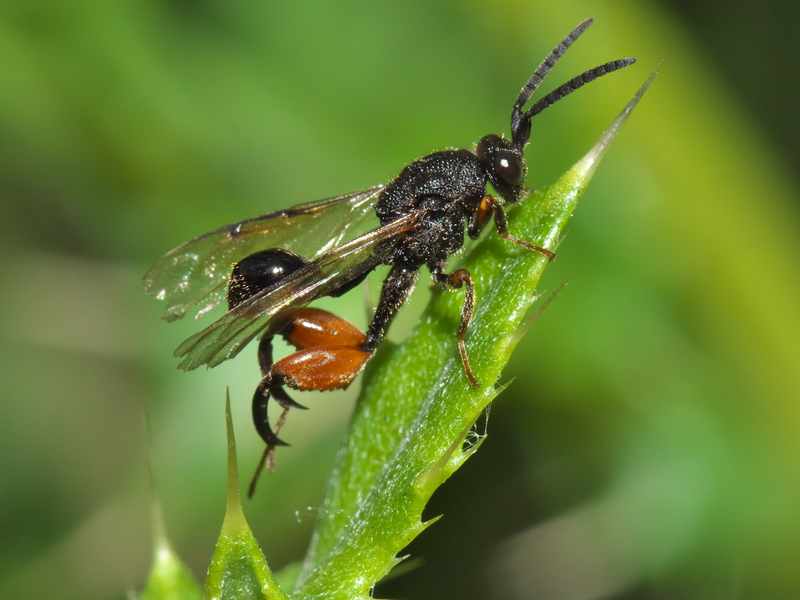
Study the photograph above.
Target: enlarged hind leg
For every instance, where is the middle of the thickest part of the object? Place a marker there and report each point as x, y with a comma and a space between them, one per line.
324, 368
261, 397
330, 355
265, 430
266, 390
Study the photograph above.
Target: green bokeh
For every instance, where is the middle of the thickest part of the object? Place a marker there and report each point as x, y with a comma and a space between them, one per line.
648, 446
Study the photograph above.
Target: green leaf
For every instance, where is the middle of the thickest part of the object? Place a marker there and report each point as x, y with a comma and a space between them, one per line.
238, 569
417, 408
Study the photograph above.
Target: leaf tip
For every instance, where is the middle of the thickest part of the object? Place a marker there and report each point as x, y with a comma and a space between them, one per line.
234, 514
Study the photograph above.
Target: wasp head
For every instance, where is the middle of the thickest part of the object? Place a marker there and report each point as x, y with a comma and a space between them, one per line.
504, 165
521, 121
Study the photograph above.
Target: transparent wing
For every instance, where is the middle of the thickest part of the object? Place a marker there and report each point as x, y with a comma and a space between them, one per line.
266, 311
195, 274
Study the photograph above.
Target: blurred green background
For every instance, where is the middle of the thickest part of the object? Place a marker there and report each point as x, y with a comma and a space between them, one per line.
649, 444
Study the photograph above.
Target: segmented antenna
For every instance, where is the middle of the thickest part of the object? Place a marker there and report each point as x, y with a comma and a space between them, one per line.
517, 117
521, 122
576, 82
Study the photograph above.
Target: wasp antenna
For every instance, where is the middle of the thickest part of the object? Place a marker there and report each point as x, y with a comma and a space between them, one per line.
575, 83
520, 125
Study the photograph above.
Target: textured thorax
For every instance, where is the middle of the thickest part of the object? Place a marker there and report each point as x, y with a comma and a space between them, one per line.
454, 176
448, 186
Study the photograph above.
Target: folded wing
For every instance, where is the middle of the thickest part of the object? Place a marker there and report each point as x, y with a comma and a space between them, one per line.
265, 312
195, 274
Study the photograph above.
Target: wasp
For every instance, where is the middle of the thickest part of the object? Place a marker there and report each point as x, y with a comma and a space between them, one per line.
269, 268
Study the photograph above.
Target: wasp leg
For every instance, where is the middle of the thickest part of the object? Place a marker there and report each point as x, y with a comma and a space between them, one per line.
261, 398
312, 328
284, 400
323, 368
268, 457
268, 433
264, 429
263, 392
396, 289
266, 389
455, 281
265, 355
329, 357
491, 206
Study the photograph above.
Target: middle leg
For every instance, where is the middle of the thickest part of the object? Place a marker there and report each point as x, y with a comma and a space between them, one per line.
455, 281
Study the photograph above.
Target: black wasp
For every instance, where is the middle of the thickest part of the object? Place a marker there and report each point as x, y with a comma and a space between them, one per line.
423, 212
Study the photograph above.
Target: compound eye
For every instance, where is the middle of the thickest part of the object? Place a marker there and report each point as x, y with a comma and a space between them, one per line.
508, 167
